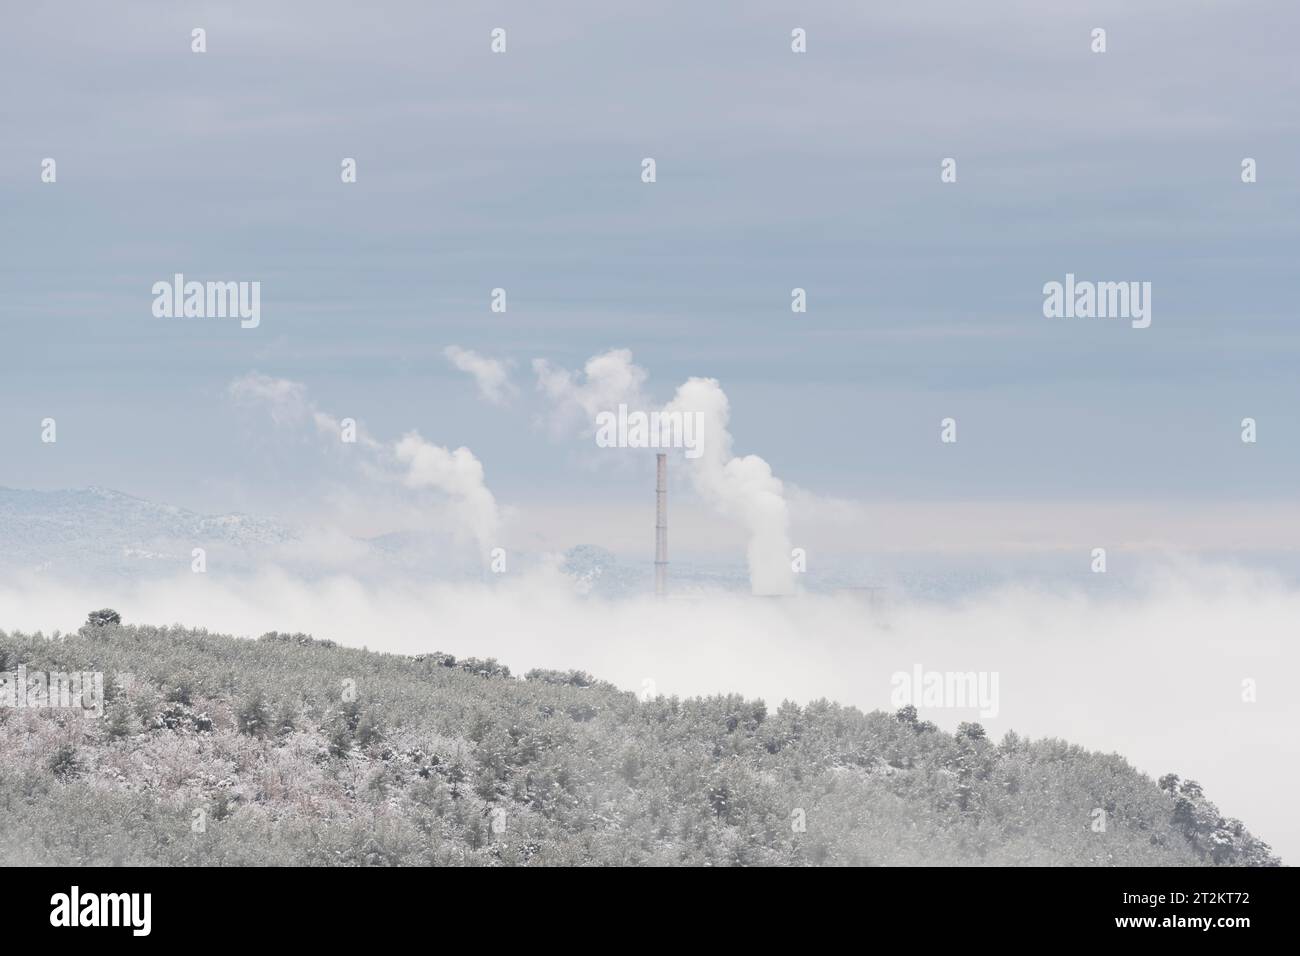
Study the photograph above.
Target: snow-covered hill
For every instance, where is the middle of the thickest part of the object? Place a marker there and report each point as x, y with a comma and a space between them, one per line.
96, 531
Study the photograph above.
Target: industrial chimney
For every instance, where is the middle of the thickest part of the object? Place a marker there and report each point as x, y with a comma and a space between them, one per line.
661, 525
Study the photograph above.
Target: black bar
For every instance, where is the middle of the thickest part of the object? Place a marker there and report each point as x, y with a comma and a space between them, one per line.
336, 905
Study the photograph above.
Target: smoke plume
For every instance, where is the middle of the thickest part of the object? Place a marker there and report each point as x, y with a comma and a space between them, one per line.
742, 489
413, 461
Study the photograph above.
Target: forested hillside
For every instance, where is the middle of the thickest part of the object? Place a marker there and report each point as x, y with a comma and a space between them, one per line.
290, 750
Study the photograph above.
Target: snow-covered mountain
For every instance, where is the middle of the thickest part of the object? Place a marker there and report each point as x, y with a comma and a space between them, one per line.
97, 534
95, 531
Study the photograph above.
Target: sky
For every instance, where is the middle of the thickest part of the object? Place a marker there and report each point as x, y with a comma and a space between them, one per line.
774, 170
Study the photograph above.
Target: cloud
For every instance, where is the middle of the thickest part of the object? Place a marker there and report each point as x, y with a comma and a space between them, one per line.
491, 375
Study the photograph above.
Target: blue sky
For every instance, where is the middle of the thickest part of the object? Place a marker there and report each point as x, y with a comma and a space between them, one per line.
775, 170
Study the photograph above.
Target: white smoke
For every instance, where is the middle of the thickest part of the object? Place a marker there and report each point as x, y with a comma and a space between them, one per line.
742, 489
286, 401
413, 461
607, 380
458, 474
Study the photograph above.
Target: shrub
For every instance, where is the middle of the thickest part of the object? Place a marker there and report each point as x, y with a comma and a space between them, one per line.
63, 763
284, 723
253, 718
104, 617
562, 678
352, 726
367, 731
487, 668
180, 691
119, 721
437, 658
581, 712
297, 638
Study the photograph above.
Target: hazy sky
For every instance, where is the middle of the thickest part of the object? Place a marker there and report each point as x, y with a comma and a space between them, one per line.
775, 170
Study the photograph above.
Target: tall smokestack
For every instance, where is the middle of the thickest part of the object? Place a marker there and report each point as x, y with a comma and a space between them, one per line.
661, 525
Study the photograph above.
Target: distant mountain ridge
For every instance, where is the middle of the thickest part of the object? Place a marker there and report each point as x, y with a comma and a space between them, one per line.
101, 531
97, 533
